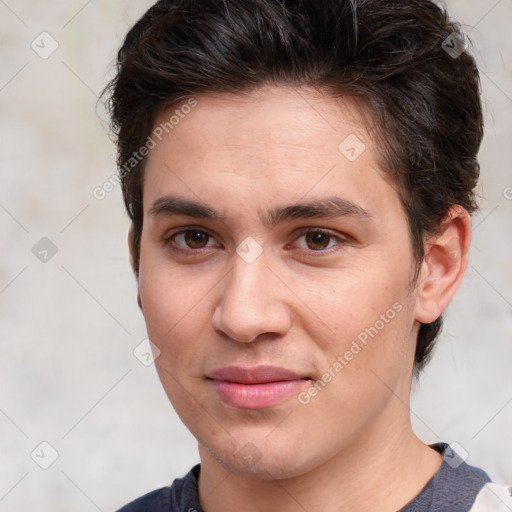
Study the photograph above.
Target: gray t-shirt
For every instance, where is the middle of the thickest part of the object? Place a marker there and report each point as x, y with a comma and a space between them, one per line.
452, 489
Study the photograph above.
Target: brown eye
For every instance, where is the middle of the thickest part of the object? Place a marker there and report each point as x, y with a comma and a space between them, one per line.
190, 239
317, 240
195, 239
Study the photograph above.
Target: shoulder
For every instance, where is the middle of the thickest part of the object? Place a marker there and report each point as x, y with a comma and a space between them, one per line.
493, 498
181, 496
459, 487
154, 501
466, 487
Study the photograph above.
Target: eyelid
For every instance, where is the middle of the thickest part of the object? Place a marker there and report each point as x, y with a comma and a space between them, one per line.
315, 229
174, 231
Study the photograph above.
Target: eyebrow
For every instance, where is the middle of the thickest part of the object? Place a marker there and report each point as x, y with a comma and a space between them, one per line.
332, 206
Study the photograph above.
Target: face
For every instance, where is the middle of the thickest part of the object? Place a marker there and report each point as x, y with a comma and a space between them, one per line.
275, 272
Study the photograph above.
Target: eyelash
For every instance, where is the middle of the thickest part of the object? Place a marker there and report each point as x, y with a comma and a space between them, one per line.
304, 231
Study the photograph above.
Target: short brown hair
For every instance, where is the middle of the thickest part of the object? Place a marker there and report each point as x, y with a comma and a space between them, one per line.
393, 55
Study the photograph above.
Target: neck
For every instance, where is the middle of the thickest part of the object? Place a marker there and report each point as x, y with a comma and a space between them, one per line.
387, 465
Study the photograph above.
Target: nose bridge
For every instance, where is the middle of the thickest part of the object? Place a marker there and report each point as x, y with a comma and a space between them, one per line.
249, 305
250, 280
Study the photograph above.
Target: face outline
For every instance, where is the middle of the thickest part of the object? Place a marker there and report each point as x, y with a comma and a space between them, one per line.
290, 307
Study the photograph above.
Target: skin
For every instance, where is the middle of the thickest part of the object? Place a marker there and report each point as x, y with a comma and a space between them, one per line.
299, 305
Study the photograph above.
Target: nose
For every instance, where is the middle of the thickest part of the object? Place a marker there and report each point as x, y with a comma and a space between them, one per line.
253, 302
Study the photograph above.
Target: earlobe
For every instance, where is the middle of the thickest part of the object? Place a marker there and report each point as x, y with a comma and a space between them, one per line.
444, 264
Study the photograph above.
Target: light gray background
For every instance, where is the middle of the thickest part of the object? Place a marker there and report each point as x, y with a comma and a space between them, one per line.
68, 375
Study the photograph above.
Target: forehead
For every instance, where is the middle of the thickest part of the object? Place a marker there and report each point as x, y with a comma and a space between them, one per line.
266, 115
270, 143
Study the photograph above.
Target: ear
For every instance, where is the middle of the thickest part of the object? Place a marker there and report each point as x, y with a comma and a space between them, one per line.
444, 264
131, 248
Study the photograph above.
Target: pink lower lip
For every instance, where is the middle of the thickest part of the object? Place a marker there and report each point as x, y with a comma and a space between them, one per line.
256, 396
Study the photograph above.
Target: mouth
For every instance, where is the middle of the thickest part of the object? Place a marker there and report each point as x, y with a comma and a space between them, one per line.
255, 388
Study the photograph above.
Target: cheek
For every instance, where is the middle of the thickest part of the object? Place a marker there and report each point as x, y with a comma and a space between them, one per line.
362, 368
174, 309
353, 303
169, 293
370, 317
173, 306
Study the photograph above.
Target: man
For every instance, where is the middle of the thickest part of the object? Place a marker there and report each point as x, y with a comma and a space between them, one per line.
299, 177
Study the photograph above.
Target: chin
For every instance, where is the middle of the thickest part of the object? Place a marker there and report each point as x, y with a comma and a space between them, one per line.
264, 458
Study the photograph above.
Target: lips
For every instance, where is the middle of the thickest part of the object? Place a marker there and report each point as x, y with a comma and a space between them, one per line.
255, 388
257, 375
